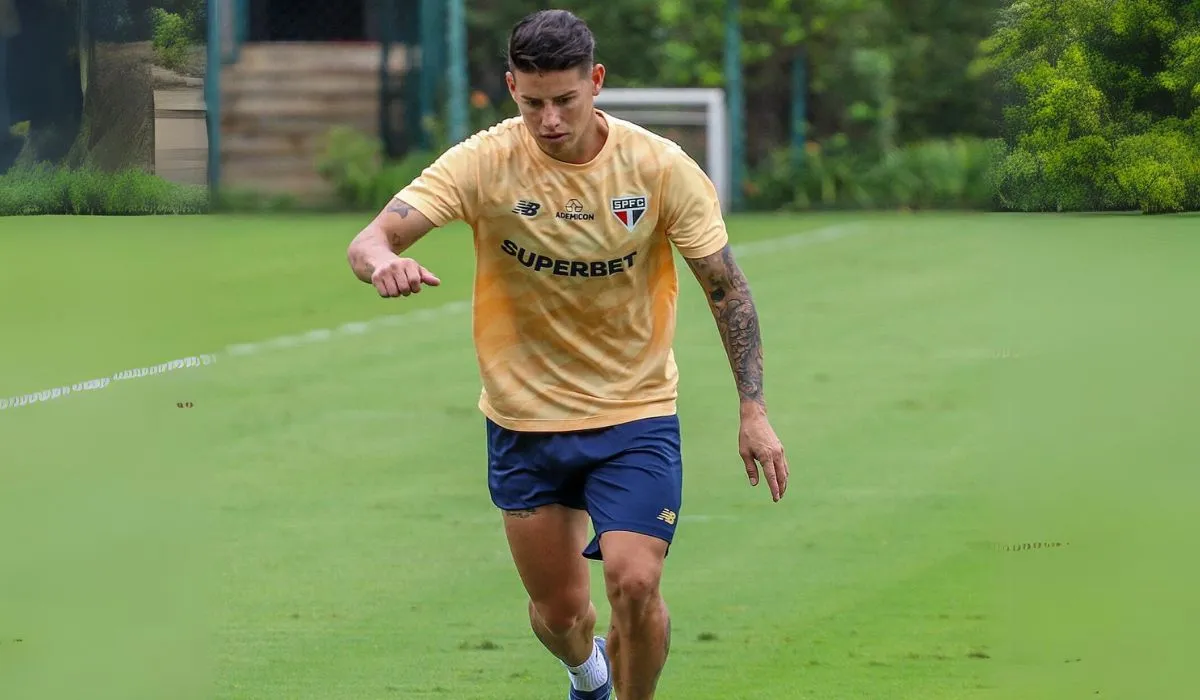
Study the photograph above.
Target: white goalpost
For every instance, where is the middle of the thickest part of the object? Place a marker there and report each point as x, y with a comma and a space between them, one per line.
656, 108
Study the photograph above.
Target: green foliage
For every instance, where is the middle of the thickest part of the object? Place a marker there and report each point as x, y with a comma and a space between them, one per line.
45, 189
1103, 104
882, 73
935, 174
172, 41
361, 177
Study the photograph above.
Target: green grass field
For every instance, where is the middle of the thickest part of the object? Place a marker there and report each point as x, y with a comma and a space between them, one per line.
317, 524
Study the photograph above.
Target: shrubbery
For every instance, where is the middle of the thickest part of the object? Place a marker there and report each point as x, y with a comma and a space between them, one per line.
946, 174
44, 189
361, 176
1104, 107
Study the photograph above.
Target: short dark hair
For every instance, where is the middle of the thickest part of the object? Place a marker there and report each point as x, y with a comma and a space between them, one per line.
549, 41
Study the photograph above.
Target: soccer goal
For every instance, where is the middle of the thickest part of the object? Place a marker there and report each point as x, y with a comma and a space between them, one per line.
692, 117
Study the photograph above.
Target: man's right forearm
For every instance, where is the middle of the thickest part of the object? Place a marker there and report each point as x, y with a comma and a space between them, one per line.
367, 248
393, 231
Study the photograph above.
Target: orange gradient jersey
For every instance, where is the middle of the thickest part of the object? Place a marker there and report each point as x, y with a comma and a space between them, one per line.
575, 282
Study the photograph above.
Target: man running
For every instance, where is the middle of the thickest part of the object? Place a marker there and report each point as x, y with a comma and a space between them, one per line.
575, 214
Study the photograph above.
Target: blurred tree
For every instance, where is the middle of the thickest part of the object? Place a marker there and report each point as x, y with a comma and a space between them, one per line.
629, 41
881, 72
1102, 103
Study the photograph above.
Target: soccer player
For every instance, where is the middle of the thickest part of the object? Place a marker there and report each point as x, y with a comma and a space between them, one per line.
575, 214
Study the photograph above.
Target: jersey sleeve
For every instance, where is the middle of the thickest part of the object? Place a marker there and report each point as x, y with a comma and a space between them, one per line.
445, 190
694, 223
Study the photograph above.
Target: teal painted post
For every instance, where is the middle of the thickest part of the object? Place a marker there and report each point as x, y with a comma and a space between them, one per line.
387, 19
212, 97
456, 78
431, 40
799, 109
736, 102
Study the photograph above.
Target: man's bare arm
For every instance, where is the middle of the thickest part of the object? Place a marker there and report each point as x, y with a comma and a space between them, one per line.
395, 229
733, 308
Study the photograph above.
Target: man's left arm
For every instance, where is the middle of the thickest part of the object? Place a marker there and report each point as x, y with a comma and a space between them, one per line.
694, 223
728, 293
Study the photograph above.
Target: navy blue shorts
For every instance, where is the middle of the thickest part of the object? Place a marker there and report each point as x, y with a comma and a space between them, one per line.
628, 477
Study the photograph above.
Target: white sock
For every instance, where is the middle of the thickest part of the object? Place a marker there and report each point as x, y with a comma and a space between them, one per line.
591, 674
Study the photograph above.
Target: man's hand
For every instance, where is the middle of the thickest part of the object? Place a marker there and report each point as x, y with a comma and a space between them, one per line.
733, 309
401, 277
759, 445
374, 254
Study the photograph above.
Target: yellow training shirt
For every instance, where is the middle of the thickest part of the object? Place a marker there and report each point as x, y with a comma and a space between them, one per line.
575, 283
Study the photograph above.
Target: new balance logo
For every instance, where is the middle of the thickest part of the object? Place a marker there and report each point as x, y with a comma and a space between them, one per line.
526, 208
667, 516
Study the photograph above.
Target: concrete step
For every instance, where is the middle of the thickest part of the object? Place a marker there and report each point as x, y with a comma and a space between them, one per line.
322, 83
290, 57
273, 144
303, 105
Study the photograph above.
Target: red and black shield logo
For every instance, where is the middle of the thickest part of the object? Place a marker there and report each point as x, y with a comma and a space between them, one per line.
629, 210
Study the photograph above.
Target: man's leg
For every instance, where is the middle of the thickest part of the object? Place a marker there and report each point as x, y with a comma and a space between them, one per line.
545, 544
639, 639
634, 498
536, 480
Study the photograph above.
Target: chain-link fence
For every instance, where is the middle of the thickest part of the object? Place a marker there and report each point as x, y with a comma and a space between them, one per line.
102, 105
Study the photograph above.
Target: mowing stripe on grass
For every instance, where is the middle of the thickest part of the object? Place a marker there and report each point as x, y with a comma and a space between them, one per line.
766, 247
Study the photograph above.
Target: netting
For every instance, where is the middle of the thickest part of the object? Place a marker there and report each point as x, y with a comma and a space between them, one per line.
312, 20
99, 86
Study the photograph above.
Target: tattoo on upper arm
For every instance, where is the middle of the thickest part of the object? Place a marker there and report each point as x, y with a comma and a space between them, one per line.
399, 207
737, 319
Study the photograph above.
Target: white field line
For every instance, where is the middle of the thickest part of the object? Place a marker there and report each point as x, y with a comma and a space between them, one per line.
765, 247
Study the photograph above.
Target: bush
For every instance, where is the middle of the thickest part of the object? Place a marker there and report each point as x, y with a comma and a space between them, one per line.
1155, 172
938, 174
172, 41
955, 173
44, 189
361, 177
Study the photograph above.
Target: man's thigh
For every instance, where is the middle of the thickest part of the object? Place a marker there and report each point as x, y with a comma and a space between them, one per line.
538, 484
531, 470
639, 488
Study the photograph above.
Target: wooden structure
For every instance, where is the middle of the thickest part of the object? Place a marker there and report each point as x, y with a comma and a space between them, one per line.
280, 99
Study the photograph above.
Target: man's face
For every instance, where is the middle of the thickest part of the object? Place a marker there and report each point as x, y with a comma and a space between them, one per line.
557, 107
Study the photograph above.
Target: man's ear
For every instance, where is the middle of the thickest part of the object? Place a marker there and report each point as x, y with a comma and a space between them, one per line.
598, 72
511, 81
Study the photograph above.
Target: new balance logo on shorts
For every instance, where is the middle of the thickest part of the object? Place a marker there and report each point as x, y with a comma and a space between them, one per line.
526, 208
667, 516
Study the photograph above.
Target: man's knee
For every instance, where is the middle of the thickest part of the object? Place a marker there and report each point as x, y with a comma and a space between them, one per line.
562, 613
632, 568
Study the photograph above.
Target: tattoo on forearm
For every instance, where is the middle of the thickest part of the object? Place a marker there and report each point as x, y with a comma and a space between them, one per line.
401, 208
737, 319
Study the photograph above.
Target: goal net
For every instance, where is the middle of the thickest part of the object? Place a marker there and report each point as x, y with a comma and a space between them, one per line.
692, 117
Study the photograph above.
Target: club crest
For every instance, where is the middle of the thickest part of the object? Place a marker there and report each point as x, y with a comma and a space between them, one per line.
629, 210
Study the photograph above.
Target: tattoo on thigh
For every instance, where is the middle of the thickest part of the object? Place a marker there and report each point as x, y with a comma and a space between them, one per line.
523, 513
